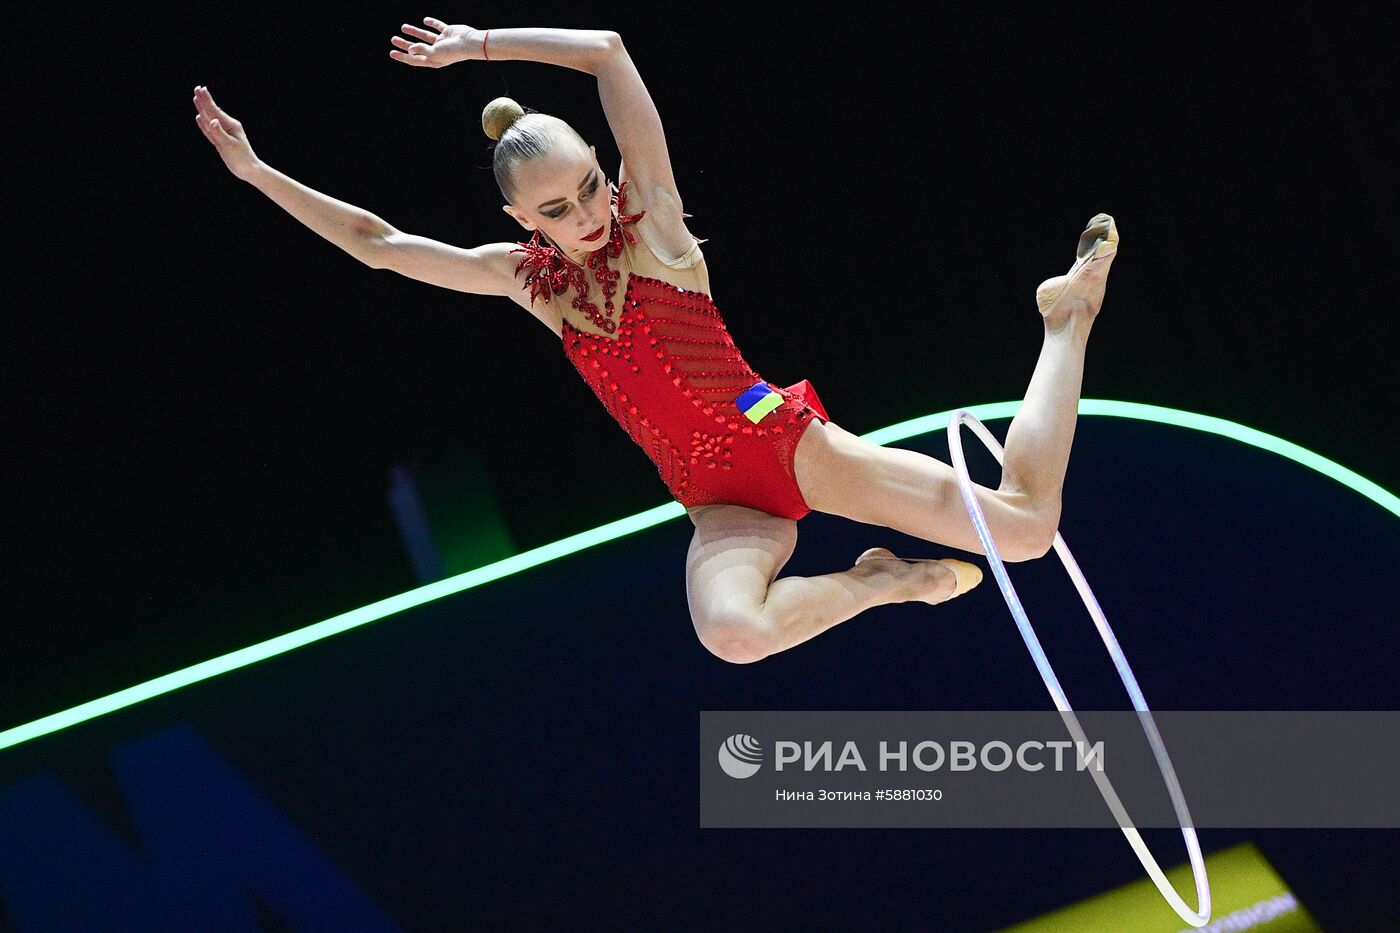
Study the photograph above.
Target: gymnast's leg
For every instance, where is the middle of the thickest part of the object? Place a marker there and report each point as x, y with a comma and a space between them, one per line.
839, 473
742, 614
1040, 436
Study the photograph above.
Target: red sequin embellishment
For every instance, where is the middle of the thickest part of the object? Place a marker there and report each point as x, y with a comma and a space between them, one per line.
710, 449
553, 273
675, 391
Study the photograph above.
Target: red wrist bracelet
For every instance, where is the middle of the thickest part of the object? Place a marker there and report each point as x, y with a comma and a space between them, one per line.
483, 45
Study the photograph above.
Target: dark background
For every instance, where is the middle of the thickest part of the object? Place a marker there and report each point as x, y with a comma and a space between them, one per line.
208, 398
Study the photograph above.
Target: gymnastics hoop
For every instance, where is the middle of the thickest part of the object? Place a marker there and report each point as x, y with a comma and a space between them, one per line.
1052, 683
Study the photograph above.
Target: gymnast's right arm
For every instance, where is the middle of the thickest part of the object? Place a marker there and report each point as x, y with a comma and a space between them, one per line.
486, 270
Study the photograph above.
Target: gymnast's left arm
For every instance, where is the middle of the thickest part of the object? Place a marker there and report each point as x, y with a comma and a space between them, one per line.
632, 116
442, 44
636, 127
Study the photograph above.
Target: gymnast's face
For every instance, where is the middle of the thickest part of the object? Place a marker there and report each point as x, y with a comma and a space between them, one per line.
565, 195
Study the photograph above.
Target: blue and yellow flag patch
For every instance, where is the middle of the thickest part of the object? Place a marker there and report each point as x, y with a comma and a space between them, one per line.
757, 401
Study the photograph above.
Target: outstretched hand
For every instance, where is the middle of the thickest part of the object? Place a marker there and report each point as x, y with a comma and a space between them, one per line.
447, 46
225, 133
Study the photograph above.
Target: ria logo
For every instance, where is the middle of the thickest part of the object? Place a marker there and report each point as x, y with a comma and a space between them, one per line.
740, 756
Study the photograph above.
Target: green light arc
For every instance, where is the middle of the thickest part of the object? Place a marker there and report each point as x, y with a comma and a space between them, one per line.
639, 522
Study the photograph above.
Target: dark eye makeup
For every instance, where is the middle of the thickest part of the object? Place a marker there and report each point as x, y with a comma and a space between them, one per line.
561, 211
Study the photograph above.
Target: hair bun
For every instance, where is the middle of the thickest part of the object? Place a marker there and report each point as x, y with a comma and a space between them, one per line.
498, 116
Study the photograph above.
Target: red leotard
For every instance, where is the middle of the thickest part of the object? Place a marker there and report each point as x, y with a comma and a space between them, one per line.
671, 375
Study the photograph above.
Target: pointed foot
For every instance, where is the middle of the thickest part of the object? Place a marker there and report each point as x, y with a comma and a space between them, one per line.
931, 580
1080, 291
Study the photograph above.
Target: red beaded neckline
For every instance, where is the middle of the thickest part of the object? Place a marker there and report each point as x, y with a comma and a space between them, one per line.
551, 272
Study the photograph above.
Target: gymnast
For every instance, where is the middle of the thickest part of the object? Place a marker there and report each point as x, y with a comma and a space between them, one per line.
612, 270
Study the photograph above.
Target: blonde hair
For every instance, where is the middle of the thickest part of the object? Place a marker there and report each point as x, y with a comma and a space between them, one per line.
521, 134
